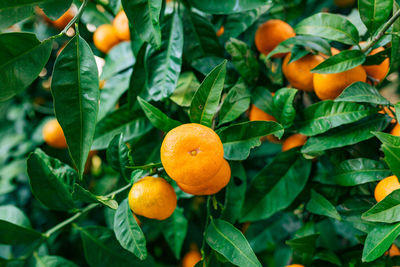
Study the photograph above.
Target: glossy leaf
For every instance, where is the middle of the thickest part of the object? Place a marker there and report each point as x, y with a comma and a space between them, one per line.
157, 117
15, 227
262, 98
174, 231
144, 16
165, 63
397, 110
343, 61
243, 59
118, 156
330, 26
118, 59
52, 261
304, 244
75, 89
224, 238
283, 109
86, 196
379, 240
206, 99
51, 181
391, 149
395, 49
325, 115
305, 41
362, 93
374, 12
318, 204
236, 103
128, 232
185, 89
138, 85
238, 139
358, 171
227, 7
22, 59
347, 134
386, 210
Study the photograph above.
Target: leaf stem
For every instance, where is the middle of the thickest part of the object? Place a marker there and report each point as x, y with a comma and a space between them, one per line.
80, 213
77, 17
382, 31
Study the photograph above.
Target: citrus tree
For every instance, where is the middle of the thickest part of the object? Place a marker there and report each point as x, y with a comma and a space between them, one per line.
199, 133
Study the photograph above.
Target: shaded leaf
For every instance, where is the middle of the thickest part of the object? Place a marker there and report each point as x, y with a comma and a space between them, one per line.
174, 231
227, 7
304, 41
118, 59
362, 93
318, 204
185, 89
118, 156
386, 210
343, 61
86, 196
374, 12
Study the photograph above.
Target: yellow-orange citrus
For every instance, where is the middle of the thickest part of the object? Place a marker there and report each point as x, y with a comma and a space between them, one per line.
298, 72
220, 31
105, 37
393, 251
213, 185
396, 130
121, 26
65, 18
53, 134
191, 258
330, 86
378, 72
272, 33
257, 114
295, 265
385, 187
292, 141
386, 110
191, 154
152, 198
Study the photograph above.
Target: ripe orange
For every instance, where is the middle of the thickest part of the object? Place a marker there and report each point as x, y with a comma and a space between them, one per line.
213, 185
53, 134
345, 3
220, 31
65, 18
292, 141
121, 26
153, 198
393, 251
295, 265
191, 258
330, 86
191, 154
386, 110
385, 187
257, 114
105, 37
378, 72
396, 130
298, 72
272, 33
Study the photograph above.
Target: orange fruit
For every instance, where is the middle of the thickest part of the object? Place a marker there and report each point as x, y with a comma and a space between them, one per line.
295, 265
298, 72
121, 26
272, 33
65, 18
220, 31
152, 198
191, 154
378, 72
292, 141
101, 84
53, 134
105, 37
257, 114
330, 86
213, 185
345, 3
385, 187
191, 258
137, 219
393, 251
386, 110
396, 130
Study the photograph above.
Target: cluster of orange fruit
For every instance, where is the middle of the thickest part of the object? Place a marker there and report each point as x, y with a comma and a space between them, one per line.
107, 36
193, 156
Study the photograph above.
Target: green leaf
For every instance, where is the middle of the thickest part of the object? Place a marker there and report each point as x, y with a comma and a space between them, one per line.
236, 102
358, 171
304, 41
318, 204
304, 244
362, 93
330, 26
374, 12
174, 230
102, 249
234, 193
157, 117
118, 59
165, 63
227, 7
185, 89
206, 99
131, 123
276, 186
283, 109
386, 211
128, 232
15, 227
395, 49
55, 9
238, 139
379, 240
262, 98
243, 59
397, 110
343, 61
22, 59
224, 238
138, 85
328, 256
10, 16
118, 156
325, 115
391, 149
346, 134
86, 196
144, 16
75, 89
51, 261
51, 181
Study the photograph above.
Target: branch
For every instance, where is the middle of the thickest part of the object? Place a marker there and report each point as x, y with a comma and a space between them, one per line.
77, 16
